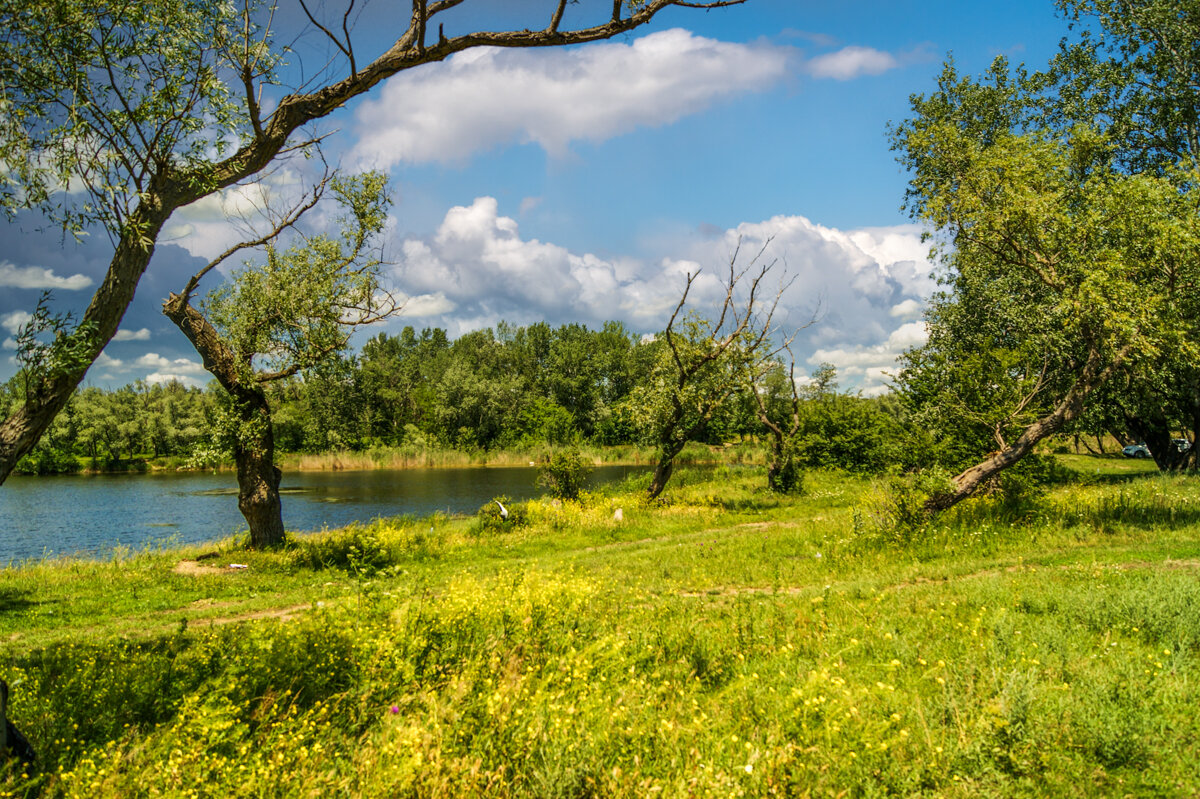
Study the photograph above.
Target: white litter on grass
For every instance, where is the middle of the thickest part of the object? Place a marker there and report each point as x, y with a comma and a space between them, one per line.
239, 565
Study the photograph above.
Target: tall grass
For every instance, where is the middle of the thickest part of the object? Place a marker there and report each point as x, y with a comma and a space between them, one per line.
720, 643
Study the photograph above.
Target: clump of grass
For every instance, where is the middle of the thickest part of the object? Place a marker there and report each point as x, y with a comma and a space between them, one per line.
367, 549
501, 515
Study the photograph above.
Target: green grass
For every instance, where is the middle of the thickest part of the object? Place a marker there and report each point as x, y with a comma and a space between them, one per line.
725, 641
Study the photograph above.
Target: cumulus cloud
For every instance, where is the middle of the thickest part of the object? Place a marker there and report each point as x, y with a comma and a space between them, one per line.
868, 366
425, 305
906, 310
176, 366
487, 97
167, 377
851, 62
36, 277
15, 321
133, 335
477, 269
106, 361
215, 222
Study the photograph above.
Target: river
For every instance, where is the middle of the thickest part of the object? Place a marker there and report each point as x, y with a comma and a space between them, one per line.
91, 515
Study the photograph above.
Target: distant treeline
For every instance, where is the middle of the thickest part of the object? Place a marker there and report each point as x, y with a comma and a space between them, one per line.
510, 388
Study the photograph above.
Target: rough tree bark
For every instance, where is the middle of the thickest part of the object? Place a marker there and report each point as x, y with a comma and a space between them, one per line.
1093, 375
780, 460
254, 449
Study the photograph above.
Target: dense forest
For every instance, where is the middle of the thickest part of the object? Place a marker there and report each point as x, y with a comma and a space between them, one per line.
505, 388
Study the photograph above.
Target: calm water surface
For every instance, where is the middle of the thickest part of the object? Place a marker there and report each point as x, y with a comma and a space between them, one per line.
93, 514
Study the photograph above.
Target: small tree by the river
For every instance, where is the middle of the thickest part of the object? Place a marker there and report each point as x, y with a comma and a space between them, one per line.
274, 319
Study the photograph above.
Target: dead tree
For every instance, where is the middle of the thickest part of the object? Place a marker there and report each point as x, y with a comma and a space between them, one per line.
703, 361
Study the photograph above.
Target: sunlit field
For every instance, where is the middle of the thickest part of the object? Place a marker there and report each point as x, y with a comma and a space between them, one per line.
723, 642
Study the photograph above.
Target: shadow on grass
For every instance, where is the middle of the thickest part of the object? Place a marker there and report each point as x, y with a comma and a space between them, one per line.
14, 600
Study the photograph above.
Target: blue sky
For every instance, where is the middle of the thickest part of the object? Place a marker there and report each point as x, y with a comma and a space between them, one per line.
583, 184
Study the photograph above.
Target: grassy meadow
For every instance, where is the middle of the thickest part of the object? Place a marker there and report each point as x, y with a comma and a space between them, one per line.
723, 642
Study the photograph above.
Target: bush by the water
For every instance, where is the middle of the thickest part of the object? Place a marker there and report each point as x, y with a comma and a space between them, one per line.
501, 515
564, 474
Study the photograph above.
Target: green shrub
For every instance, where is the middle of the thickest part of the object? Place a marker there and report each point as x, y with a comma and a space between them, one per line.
48, 459
895, 513
564, 474
356, 549
491, 519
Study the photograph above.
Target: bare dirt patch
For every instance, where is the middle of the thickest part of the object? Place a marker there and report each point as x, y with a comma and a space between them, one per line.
283, 614
196, 569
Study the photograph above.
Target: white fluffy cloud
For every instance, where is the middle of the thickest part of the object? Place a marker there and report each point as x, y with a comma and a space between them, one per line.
142, 334
16, 320
869, 367
851, 62
486, 97
175, 366
167, 377
478, 266
215, 222
36, 277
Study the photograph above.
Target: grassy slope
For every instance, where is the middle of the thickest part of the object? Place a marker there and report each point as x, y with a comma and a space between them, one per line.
727, 641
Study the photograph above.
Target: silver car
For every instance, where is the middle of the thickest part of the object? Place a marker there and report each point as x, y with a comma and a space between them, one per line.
1139, 450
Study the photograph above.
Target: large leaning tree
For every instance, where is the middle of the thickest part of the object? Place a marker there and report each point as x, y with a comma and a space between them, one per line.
287, 313
1134, 72
1061, 269
115, 115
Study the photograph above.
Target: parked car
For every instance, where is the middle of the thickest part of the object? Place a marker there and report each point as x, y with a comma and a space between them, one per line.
1139, 450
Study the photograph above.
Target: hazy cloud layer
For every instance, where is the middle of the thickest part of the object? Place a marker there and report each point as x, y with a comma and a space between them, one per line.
488, 97
869, 284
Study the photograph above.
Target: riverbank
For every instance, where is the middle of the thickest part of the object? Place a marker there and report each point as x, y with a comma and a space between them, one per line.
726, 641
426, 458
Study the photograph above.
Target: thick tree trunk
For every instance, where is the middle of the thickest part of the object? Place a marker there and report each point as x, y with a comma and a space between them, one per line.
971, 480
49, 394
662, 473
258, 478
665, 466
776, 460
1156, 433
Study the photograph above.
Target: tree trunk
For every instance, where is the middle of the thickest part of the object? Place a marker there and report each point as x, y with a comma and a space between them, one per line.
665, 466
971, 480
258, 477
254, 452
49, 394
1156, 433
662, 473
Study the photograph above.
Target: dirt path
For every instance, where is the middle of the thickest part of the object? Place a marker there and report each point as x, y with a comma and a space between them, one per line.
733, 590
